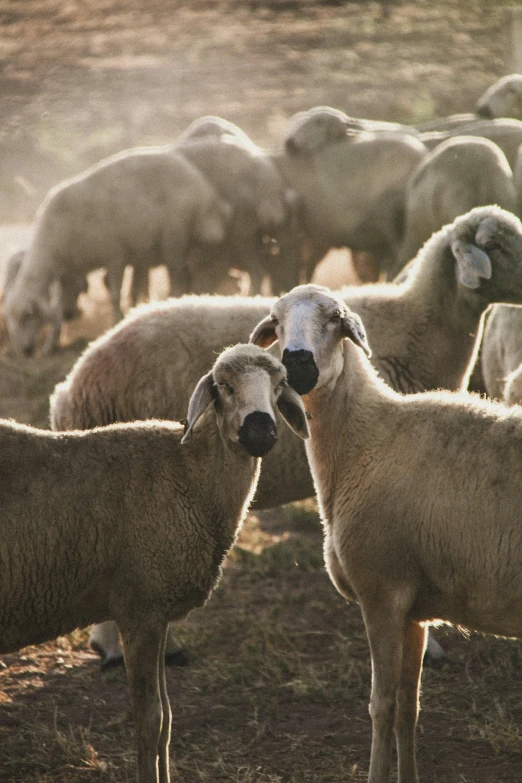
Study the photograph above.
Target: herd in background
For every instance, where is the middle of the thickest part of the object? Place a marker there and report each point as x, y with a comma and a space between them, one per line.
437, 208
214, 200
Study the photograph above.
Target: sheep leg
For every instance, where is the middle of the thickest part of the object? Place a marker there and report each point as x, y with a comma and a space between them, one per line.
140, 284
385, 630
164, 741
113, 281
143, 648
408, 700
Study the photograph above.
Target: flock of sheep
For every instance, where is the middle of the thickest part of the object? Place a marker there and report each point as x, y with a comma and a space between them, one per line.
122, 517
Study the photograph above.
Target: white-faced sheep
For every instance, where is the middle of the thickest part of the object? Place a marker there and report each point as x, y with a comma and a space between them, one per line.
420, 501
459, 174
131, 522
144, 206
425, 335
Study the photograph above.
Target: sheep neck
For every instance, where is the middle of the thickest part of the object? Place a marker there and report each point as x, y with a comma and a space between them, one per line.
226, 478
353, 402
448, 321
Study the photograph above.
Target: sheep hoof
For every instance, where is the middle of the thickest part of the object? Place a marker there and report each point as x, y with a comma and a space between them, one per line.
176, 658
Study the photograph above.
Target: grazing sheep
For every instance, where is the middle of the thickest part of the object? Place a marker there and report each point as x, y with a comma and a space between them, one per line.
136, 527
263, 206
425, 335
68, 289
350, 183
459, 174
144, 206
420, 501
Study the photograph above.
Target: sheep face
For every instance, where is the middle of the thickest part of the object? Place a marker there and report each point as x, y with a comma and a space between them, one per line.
310, 324
486, 244
246, 386
502, 99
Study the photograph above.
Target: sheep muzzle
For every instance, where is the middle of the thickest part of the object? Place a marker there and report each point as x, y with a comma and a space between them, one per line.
301, 369
258, 433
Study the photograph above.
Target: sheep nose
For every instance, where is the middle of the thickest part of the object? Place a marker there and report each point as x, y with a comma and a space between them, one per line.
258, 433
301, 370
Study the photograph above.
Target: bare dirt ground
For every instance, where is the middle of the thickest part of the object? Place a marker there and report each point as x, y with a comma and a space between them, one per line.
278, 682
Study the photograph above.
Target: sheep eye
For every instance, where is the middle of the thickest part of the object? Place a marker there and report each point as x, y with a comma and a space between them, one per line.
336, 316
226, 387
489, 246
274, 320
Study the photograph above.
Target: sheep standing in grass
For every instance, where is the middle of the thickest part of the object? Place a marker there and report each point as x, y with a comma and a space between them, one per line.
459, 174
425, 334
131, 522
420, 501
144, 206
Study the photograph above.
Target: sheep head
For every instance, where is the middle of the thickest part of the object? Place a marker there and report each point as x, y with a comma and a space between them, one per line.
314, 129
246, 385
502, 99
310, 323
486, 245
27, 314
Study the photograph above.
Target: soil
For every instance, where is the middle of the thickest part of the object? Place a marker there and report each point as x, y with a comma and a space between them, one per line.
277, 685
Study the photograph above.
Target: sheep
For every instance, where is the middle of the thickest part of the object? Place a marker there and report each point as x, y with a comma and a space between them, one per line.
263, 207
308, 131
350, 183
502, 99
68, 290
459, 174
419, 497
132, 522
425, 334
139, 206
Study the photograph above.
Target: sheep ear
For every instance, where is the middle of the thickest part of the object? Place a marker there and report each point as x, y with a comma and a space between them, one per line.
201, 398
472, 263
352, 327
264, 334
293, 412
